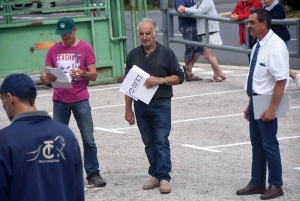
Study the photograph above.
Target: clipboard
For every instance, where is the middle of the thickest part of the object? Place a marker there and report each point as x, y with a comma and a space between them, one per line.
262, 102
62, 80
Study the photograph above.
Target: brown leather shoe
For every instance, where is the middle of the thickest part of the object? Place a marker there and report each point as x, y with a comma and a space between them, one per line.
272, 192
153, 183
251, 189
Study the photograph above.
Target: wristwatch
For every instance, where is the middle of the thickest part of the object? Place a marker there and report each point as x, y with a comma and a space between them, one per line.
165, 80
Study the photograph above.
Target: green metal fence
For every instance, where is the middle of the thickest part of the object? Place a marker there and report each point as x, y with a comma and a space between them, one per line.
26, 34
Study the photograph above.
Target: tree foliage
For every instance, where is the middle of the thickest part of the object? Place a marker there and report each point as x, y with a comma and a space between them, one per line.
294, 4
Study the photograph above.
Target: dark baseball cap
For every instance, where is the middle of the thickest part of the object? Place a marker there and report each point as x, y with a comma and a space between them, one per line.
65, 25
19, 85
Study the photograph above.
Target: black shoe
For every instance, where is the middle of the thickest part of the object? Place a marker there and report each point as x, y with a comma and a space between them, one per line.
251, 189
96, 179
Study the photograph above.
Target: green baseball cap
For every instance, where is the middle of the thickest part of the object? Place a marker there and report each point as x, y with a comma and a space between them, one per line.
65, 26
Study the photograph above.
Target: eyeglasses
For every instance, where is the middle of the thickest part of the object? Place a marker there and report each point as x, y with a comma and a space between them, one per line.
145, 33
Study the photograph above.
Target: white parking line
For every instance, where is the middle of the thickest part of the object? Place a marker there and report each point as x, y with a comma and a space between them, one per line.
91, 188
102, 89
195, 119
108, 106
108, 130
202, 148
297, 168
204, 118
220, 92
228, 145
211, 72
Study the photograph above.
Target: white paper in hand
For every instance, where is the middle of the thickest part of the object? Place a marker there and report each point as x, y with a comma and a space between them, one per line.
133, 85
62, 80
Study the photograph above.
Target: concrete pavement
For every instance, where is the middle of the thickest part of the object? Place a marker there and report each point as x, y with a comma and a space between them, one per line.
210, 147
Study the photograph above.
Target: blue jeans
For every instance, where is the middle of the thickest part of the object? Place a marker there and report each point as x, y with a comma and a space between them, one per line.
265, 150
154, 123
83, 116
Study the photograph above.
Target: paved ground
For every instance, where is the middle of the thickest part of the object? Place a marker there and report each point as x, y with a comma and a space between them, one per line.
210, 147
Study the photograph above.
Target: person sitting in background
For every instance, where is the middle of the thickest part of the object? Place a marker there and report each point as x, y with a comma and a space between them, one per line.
277, 12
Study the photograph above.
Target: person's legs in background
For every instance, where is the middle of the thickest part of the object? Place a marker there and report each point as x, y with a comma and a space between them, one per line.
219, 75
293, 75
295, 78
192, 53
83, 116
209, 55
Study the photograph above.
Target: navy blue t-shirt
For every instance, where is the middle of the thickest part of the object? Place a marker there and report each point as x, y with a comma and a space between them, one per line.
185, 21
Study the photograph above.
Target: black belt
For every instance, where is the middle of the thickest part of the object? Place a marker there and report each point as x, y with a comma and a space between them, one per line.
208, 33
255, 94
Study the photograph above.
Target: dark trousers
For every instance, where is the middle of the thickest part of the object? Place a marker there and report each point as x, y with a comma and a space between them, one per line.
265, 151
154, 123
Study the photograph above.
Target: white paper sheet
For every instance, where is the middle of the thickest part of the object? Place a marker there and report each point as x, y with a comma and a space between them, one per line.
133, 85
62, 81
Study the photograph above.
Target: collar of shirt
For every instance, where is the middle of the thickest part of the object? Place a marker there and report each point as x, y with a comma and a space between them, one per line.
263, 41
30, 114
144, 51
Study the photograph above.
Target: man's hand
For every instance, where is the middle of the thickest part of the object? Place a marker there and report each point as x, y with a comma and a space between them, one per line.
268, 115
129, 116
234, 17
181, 9
75, 73
246, 114
151, 81
47, 78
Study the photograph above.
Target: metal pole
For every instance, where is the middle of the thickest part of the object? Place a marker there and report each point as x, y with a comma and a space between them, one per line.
145, 8
133, 23
140, 9
298, 38
247, 37
123, 29
170, 26
206, 31
164, 8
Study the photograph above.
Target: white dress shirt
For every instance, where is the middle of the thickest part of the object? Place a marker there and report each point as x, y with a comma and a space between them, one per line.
272, 64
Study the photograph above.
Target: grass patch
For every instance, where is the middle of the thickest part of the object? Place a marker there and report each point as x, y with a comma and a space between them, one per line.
293, 14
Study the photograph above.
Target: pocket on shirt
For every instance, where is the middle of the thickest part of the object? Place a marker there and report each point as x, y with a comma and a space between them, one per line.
260, 72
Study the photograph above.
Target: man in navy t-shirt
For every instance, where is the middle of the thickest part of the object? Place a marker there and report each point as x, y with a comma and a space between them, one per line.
40, 158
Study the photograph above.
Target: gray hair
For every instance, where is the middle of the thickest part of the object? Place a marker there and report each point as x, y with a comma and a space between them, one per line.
155, 26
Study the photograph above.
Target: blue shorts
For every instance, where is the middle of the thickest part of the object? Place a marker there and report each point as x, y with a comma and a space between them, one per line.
190, 33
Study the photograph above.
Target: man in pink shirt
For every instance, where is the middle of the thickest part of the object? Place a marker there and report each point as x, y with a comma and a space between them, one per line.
77, 59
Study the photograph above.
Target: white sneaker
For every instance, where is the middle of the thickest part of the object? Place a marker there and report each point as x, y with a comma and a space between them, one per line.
297, 82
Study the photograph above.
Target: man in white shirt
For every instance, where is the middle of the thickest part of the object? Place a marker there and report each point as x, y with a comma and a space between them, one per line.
269, 73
